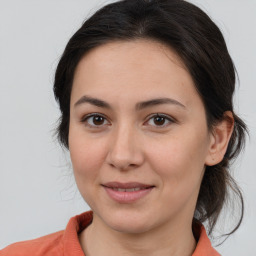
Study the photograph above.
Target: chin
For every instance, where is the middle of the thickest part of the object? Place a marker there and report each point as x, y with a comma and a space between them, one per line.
129, 223
128, 228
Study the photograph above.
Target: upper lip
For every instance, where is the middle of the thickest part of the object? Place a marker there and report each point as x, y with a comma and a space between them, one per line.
126, 185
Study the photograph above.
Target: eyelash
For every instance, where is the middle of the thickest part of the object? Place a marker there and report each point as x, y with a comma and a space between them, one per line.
166, 118
92, 115
87, 117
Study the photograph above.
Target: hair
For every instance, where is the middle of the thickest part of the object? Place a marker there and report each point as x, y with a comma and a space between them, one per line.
188, 31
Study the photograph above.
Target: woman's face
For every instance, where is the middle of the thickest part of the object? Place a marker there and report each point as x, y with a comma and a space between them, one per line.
138, 136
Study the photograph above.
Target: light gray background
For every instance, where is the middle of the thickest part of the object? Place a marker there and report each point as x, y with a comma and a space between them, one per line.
37, 192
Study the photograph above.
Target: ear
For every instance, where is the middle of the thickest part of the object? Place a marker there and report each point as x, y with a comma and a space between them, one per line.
219, 139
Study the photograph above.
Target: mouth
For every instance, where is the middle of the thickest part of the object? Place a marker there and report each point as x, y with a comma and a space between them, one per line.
127, 192
128, 189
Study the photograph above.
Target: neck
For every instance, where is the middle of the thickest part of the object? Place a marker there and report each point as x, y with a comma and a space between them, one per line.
171, 240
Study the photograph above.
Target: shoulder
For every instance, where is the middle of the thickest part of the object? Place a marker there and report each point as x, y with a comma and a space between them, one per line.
204, 246
55, 244
48, 245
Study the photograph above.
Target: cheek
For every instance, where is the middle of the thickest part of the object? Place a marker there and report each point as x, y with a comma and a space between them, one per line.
180, 160
86, 155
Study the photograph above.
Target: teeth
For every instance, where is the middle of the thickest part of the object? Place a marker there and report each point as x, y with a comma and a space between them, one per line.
127, 189
130, 189
121, 189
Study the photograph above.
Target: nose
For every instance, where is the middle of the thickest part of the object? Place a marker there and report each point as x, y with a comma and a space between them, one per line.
125, 149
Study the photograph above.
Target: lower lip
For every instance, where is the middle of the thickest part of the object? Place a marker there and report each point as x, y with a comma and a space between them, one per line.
127, 197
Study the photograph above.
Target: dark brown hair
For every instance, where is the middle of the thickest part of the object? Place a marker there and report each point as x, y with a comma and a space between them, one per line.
200, 44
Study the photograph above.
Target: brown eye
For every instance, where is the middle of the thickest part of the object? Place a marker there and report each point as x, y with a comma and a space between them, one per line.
94, 120
98, 120
159, 120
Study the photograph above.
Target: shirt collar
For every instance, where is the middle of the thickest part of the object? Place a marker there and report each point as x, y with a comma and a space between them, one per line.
77, 224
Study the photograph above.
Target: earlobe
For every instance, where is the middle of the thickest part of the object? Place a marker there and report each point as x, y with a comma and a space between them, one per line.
219, 140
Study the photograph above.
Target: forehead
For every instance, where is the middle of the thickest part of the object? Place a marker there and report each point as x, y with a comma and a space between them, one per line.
141, 55
133, 69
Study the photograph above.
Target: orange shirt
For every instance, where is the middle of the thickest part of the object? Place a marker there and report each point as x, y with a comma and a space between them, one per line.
66, 242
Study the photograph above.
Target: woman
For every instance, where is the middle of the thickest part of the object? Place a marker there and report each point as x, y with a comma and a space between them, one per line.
145, 91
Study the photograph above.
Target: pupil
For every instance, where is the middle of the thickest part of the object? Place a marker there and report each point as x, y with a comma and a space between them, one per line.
159, 120
98, 120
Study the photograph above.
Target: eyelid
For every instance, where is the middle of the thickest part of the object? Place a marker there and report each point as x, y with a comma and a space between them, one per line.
167, 117
86, 117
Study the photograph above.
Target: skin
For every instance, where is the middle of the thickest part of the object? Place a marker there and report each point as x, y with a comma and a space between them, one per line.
129, 145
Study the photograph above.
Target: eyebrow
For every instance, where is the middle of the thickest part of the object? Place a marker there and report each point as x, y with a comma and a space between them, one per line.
93, 101
159, 101
138, 106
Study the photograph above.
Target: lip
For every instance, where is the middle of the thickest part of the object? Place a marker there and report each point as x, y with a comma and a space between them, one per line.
141, 191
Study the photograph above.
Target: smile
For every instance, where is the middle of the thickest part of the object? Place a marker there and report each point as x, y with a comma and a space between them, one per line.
127, 189
127, 192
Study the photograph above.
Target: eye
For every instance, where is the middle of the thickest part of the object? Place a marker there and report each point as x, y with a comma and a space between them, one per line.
160, 120
95, 120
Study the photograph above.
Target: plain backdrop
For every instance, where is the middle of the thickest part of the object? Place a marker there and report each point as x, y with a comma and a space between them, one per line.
38, 194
